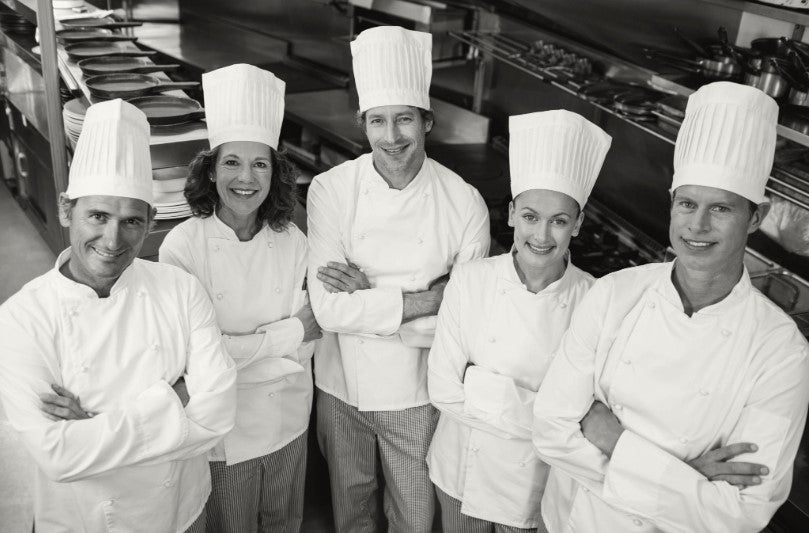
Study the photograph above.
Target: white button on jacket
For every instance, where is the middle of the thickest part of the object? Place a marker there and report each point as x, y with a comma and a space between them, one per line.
140, 464
388, 371
758, 378
263, 288
491, 402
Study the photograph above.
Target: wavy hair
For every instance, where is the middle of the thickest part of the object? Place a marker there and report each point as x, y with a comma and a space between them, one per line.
276, 209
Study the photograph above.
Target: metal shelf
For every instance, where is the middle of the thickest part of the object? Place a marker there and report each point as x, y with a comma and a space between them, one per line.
796, 16
27, 9
21, 46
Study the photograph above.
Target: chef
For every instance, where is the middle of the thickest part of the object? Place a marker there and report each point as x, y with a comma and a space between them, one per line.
136, 341
500, 321
251, 259
384, 230
681, 358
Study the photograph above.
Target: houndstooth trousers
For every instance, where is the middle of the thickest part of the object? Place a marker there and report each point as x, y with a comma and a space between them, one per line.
354, 442
262, 494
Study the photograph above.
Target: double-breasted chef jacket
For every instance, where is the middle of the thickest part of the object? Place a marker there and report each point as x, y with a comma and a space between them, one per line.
255, 286
140, 463
482, 453
735, 371
403, 240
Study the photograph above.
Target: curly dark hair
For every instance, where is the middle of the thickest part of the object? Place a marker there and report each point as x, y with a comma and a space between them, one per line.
276, 209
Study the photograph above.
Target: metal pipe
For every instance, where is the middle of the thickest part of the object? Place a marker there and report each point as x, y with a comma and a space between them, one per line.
53, 102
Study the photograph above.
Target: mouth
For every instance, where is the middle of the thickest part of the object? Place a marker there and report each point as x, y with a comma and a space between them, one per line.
393, 151
105, 254
244, 193
698, 246
539, 250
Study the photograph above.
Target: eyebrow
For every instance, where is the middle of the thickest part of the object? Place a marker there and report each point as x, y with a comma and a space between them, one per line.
561, 213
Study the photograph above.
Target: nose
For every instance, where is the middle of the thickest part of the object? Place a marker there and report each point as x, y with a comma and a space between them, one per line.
700, 221
245, 173
542, 232
112, 235
391, 132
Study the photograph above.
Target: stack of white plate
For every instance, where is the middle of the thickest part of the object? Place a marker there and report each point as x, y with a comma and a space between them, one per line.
73, 118
168, 188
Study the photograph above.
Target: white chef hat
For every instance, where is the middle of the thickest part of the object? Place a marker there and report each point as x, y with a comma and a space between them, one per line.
556, 150
727, 140
243, 103
393, 66
112, 155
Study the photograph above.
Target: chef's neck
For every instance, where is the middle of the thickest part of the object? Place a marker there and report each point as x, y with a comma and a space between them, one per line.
537, 279
399, 174
700, 288
244, 226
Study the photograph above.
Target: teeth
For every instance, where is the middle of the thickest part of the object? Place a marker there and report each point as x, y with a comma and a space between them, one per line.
104, 254
698, 244
393, 151
542, 250
242, 192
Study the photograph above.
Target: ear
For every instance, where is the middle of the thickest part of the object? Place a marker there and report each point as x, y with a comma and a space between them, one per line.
511, 213
758, 217
65, 210
152, 221
579, 221
428, 124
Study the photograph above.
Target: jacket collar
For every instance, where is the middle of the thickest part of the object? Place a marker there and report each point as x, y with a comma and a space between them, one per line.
510, 280
70, 287
665, 287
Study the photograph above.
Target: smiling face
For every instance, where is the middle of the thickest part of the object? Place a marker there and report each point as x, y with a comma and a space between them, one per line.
396, 134
243, 174
544, 221
106, 234
709, 228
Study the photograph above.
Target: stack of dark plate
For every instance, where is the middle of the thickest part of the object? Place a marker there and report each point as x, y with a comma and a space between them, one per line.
670, 112
13, 23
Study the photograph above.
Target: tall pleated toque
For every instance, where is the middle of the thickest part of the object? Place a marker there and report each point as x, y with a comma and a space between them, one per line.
112, 156
556, 150
393, 66
727, 140
243, 103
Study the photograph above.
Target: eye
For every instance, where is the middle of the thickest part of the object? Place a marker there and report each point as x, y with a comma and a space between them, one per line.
405, 120
529, 217
98, 217
134, 222
720, 208
375, 121
230, 162
559, 221
687, 204
262, 164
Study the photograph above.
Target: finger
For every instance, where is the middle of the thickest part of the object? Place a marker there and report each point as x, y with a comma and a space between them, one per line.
59, 401
732, 450
336, 282
333, 286
331, 273
744, 481
60, 413
346, 269
738, 468
51, 417
61, 391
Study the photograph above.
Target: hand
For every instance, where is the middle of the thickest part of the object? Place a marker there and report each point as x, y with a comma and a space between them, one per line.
63, 405
311, 329
715, 465
342, 277
601, 427
181, 391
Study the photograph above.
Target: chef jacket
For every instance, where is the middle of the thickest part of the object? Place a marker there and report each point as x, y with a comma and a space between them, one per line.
255, 286
403, 240
139, 464
481, 453
735, 371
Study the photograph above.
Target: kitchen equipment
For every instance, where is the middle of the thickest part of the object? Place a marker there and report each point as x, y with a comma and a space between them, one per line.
773, 78
603, 92
722, 68
795, 117
168, 110
111, 64
106, 22
637, 103
799, 93
96, 34
108, 86
78, 51
673, 106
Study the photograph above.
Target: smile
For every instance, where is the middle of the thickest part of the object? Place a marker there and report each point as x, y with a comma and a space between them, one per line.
107, 255
394, 151
246, 193
540, 250
697, 245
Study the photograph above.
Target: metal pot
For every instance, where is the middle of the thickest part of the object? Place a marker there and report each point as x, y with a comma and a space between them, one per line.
772, 77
